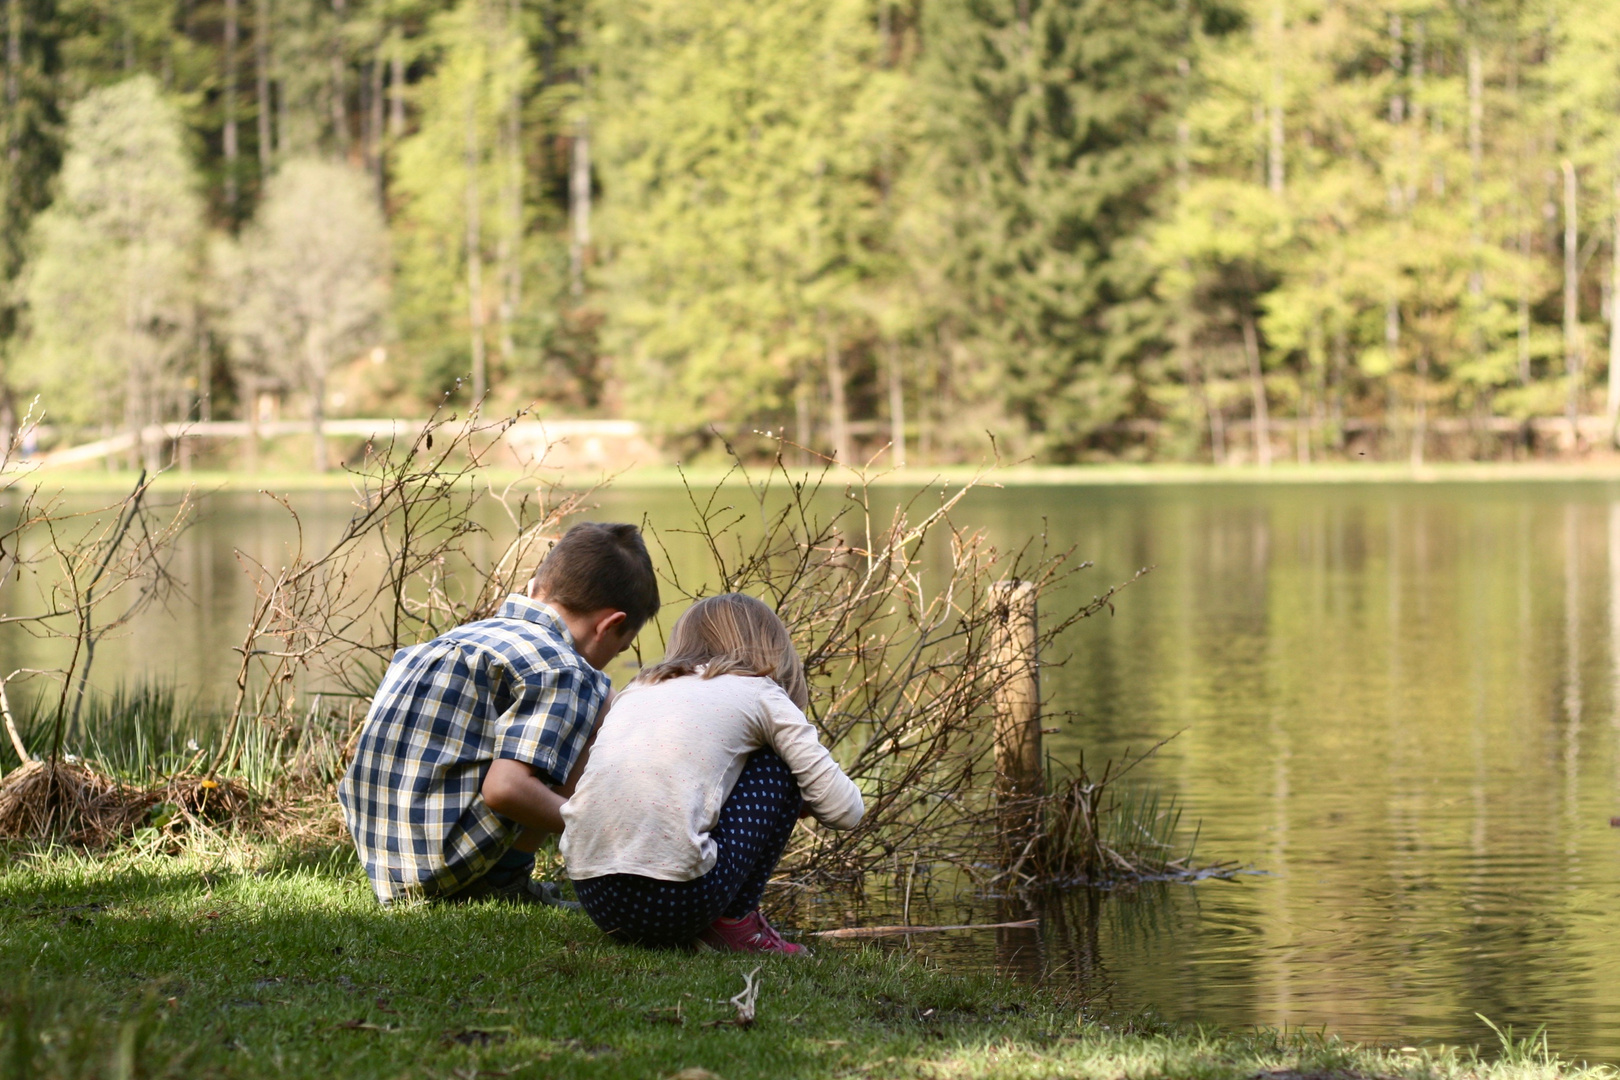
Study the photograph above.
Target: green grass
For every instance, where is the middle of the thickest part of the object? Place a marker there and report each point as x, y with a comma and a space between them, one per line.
252, 960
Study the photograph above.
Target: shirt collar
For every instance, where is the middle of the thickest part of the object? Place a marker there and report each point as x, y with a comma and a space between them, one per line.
518, 606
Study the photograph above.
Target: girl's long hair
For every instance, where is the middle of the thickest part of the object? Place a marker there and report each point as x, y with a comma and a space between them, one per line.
732, 634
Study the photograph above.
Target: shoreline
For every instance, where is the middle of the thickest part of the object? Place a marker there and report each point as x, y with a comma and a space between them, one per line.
250, 959
73, 480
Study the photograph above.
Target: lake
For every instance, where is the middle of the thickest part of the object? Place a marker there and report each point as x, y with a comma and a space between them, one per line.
1399, 705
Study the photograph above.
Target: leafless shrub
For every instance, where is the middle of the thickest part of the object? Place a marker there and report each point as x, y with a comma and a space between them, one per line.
412, 561
91, 573
889, 601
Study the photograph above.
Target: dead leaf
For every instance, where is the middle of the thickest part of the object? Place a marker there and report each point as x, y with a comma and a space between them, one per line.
366, 1025
694, 1074
478, 1036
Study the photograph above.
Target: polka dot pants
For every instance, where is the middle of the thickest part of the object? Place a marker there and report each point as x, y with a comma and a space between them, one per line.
754, 826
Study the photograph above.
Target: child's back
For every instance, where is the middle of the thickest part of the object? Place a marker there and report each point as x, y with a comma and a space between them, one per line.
508, 687
473, 738
696, 781
666, 758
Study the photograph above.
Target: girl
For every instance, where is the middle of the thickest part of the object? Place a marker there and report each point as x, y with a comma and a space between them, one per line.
696, 778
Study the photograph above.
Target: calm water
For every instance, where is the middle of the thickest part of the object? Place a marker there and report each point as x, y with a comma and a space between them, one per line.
1400, 703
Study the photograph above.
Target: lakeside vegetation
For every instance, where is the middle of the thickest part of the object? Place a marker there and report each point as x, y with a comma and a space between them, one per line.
300, 1019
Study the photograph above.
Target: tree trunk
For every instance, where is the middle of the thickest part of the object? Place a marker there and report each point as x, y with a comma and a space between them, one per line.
801, 417
396, 88
1524, 306
232, 32
14, 17
1341, 347
1476, 180
1257, 390
512, 202
1274, 158
897, 407
374, 119
842, 449
261, 82
475, 256
1572, 316
151, 414
339, 88
317, 420
316, 360
1392, 345
250, 388
1614, 309
579, 207
132, 381
1420, 409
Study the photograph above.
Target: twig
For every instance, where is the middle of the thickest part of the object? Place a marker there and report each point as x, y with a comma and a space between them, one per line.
11, 726
744, 999
897, 931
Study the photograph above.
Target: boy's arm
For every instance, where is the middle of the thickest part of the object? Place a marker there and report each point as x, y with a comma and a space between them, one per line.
513, 790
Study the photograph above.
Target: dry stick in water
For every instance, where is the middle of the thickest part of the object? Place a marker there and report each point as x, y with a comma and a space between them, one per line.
897, 931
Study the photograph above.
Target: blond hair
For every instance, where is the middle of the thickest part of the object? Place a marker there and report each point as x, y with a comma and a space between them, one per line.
732, 634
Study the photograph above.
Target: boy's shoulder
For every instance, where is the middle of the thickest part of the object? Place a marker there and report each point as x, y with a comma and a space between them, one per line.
524, 633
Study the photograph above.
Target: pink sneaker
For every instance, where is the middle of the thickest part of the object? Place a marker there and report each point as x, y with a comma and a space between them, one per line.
751, 933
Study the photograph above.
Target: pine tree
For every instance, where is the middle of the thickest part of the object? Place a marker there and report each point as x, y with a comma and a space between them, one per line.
30, 154
1055, 121
742, 156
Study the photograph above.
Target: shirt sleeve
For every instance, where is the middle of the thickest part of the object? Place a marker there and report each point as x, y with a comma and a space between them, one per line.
554, 708
832, 796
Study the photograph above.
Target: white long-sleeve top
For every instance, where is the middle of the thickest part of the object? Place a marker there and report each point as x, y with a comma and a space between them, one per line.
666, 757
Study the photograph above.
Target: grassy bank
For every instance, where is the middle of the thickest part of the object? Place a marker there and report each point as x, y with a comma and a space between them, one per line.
248, 961
1603, 470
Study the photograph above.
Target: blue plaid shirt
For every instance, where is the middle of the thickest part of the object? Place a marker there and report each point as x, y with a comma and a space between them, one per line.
508, 687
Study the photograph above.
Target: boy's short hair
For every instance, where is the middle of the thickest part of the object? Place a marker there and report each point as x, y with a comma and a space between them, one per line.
598, 565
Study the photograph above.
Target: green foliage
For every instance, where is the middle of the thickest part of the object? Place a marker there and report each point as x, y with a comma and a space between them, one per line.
745, 143
307, 288
1092, 228
1055, 123
459, 179
112, 292
31, 147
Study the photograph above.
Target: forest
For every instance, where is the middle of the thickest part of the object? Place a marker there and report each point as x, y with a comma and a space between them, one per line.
1201, 230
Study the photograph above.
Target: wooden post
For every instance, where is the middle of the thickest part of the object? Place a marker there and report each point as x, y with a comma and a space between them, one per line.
1018, 697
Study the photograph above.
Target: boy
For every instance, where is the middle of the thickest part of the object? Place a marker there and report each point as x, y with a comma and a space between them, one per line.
476, 738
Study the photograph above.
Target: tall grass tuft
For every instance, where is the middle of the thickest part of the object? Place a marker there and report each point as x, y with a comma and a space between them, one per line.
128, 768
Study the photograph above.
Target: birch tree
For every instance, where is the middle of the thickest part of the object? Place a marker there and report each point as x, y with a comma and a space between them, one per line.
309, 281
112, 294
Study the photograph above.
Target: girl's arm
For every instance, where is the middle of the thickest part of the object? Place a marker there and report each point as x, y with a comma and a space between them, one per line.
828, 794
